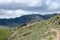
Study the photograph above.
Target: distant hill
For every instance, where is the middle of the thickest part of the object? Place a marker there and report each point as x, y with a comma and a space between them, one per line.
24, 19
40, 30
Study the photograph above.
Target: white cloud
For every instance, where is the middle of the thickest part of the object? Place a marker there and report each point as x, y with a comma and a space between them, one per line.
33, 3
5, 1
14, 13
29, 3
53, 5
17, 13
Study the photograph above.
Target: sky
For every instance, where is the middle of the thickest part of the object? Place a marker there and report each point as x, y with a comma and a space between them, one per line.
17, 8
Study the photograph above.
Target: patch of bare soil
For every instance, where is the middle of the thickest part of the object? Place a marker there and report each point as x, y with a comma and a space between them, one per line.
57, 35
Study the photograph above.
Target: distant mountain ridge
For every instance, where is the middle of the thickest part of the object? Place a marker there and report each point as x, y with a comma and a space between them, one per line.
24, 19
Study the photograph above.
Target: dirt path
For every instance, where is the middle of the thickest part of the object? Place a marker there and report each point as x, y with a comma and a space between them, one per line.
57, 35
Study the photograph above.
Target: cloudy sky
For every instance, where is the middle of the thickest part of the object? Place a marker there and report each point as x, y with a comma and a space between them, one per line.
16, 8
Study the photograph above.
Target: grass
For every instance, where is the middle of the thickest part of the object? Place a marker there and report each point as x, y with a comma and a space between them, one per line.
4, 34
37, 31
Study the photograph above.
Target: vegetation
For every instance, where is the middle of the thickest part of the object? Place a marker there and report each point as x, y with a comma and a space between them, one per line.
38, 30
50, 38
4, 34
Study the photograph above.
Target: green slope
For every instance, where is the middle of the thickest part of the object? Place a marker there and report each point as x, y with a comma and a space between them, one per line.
4, 33
40, 30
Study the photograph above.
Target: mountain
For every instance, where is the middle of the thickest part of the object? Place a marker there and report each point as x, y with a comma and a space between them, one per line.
24, 19
40, 30
47, 16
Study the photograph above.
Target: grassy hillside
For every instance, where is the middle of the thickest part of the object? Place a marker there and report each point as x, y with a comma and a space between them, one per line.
40, 30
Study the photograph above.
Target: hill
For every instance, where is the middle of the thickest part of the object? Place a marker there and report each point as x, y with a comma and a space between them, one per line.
39, 30
24, 19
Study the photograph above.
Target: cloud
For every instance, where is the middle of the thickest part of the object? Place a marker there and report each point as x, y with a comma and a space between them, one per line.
14, 13
53, 5
17, 13
29, 3
16, 8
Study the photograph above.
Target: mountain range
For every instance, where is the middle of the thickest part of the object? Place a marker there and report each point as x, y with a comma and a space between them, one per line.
13, 22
